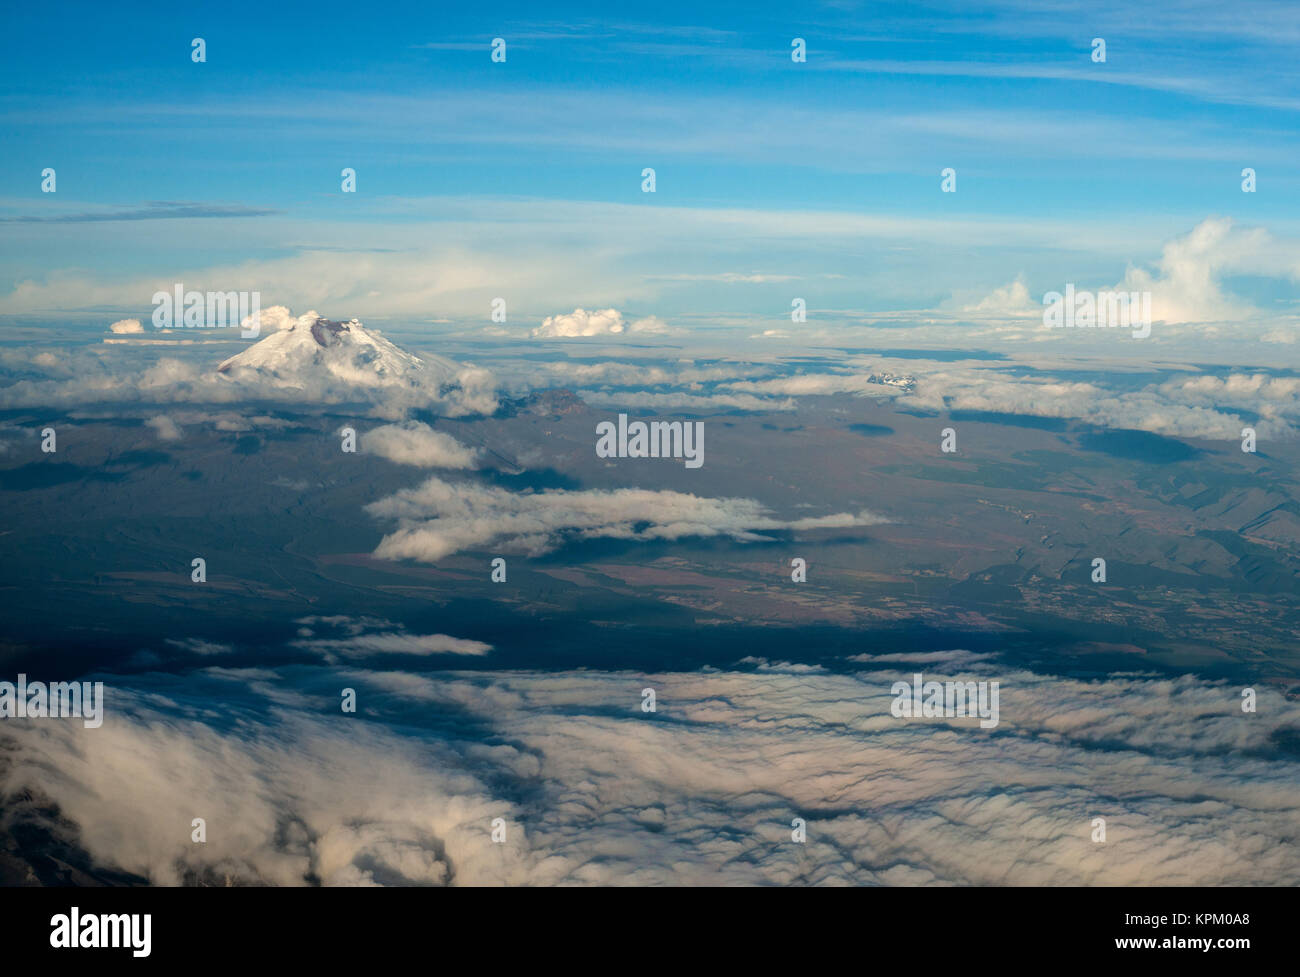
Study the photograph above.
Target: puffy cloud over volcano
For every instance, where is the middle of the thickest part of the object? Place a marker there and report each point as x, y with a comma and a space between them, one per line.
271, 319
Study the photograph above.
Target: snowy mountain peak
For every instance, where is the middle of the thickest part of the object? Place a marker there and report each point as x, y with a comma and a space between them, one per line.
311, 349
314, 358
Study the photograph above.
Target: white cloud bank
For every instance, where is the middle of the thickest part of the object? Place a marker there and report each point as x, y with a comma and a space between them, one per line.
346, 637
1201, 406
594, 791
125, 327
440, 518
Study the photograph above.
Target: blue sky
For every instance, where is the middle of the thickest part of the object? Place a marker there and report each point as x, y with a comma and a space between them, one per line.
1076, 169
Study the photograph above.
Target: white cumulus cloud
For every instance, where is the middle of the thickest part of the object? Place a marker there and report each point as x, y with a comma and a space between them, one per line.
164, 427
414, 443
271, 319
580, 322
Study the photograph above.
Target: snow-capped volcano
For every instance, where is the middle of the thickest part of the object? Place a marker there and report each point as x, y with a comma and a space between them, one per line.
340, 361
312, 347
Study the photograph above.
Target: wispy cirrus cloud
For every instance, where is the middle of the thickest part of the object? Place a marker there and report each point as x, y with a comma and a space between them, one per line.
154, 210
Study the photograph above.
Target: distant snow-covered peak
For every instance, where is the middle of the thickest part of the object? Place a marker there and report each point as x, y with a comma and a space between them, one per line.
321, 358
314, 348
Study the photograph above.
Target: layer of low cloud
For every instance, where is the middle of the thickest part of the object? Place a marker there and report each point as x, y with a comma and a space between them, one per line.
594, 791
1206, 406
704, 403
342, 637
439, 518
1192, 402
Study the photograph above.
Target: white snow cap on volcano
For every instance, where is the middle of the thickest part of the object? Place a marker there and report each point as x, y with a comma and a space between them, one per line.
337, 361
313, 346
